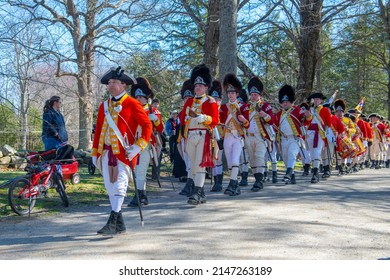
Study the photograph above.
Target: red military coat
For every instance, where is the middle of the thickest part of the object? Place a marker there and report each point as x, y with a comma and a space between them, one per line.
243, 110
130, 117
296, 118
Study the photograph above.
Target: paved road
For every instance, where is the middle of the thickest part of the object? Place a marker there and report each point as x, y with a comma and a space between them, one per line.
346, 218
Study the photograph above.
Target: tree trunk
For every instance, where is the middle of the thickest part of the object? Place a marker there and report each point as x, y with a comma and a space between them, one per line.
309, 43
211, 37
228, 38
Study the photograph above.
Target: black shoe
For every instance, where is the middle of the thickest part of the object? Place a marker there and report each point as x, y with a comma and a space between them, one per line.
197, 197
274, 177
244, 179
233, 188
306, 170
110, 227
143, 199
120, 223
293, 180
326, 172
316, 177
188, 188
287, 176
258, 185
217, 187
265, 177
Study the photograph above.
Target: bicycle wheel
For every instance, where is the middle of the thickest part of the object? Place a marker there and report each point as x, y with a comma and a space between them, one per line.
91, 168
20, 198
61, 189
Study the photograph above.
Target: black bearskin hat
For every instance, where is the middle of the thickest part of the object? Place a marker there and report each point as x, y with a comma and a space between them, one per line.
201, 75
232, 83
142, 88
286, 93
216, 89
187, 89
255, 85
339, 105
243, 96
117, 74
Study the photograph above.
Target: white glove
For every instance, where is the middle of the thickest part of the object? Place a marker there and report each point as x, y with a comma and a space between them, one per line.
365, 143
201, 118
133, 151
153, 117
94, 160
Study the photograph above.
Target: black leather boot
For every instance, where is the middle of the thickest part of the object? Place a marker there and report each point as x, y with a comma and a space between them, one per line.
217, 187
143, 199
293, 181
244, 179
258, 185
274, 177
306, 170
326, 171
197, 197
265, 177
287, 176
187, 190
377, 165
340, 170
120, 223
233, 188
388, 163
316, 177
110, 227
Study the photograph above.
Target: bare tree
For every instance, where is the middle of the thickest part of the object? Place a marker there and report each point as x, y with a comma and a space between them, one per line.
90, 27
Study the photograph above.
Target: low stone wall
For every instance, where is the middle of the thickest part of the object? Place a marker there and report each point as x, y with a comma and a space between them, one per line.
11, 158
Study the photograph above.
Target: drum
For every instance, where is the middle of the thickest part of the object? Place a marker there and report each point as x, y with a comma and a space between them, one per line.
345, 147
359, 146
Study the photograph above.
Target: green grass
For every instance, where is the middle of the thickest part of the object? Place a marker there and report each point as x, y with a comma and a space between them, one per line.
90, 191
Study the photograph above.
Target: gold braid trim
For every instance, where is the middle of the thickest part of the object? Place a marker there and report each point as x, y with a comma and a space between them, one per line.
141, 143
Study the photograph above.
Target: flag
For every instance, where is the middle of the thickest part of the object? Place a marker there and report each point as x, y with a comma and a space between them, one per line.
359, 107
332, 98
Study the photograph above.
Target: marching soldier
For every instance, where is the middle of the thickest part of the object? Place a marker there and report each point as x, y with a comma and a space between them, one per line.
187, 92
304, 152
317, 131
259, 134
117, 121
143, 92
234, 117
346, 147
288, 122
243, 99
215, 92
328, 152
378, 130
200, 115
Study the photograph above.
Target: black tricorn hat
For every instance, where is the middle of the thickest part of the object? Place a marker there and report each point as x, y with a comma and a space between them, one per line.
142, 88
316, 95
187, 89
216, 89
255, 85
117, 74
232, 83
374, 115
201, 75
286, 93
339, 105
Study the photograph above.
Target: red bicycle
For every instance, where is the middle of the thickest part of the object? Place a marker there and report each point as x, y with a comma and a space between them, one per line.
41, 176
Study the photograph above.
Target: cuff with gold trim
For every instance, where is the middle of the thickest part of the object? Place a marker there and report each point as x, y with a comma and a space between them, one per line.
141, 143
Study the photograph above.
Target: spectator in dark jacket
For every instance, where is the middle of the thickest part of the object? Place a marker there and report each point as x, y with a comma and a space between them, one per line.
53, 125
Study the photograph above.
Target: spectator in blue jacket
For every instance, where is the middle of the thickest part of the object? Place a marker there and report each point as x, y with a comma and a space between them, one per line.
53, 124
